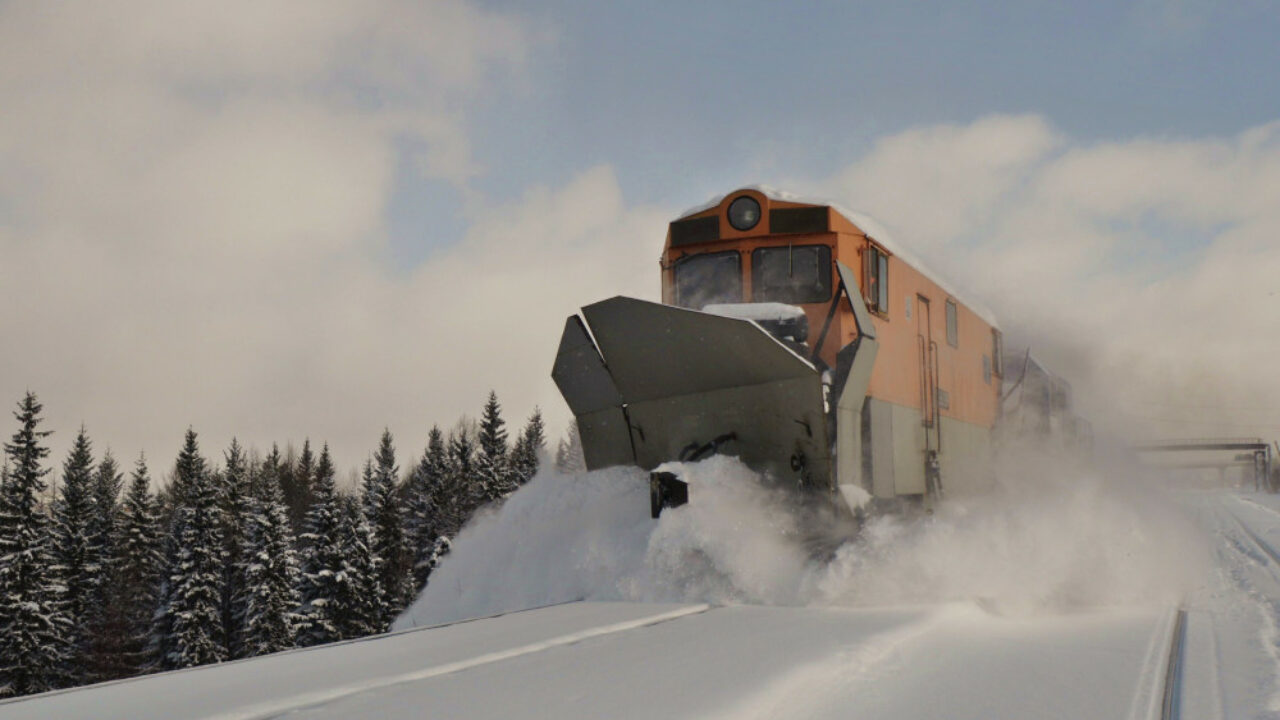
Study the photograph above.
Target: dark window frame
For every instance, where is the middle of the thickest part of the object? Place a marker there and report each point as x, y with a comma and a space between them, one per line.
997, 352
882, 301
876, 277
953, 323
675, 273
824, 261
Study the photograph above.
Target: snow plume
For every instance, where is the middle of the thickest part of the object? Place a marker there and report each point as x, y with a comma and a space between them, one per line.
589, 536
1042, 542
1106, 257
1054, 536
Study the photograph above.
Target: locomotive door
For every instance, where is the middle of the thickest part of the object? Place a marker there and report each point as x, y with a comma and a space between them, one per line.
927, 351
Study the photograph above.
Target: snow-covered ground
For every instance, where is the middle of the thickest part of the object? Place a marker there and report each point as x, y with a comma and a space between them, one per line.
1233, 651
1055, 597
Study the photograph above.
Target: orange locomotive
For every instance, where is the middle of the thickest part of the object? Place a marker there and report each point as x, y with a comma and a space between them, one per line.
879, 382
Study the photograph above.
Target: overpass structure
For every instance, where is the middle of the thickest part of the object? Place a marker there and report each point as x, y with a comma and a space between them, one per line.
1220, 453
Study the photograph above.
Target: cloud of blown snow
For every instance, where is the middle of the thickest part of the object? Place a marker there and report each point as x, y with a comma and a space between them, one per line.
1055, 537
1145, 270
589, 536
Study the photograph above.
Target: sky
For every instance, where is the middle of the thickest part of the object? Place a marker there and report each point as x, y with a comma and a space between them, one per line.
280, 221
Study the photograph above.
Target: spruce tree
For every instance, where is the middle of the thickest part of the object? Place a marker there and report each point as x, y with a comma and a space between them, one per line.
494, 478
269, 470
458, 504
562, 457
34, 630
189, 631
107, 483
296, 484
136, 570
75, 552
521, 454
271, 576
531, 445
423, 501
109, 631
324, 574
569, 458
382, 510
359, 606
235, 499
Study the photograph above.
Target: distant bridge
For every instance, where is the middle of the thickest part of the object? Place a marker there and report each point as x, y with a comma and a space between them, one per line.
1220, 453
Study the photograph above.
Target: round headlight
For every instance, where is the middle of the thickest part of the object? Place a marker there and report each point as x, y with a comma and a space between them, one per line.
744, 213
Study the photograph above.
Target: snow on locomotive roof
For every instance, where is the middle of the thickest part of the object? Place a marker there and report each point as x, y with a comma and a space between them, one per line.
873, 229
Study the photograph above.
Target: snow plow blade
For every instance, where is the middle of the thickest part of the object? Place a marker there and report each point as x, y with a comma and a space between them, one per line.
653, 383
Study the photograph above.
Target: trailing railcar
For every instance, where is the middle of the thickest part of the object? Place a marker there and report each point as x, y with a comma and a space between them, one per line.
1038, 405
799, 337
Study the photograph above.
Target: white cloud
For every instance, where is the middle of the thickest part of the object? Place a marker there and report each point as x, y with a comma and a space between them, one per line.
1172, 21
933, 180
193, 215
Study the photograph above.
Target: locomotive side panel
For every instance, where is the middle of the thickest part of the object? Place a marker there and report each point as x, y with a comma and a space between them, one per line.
934, 390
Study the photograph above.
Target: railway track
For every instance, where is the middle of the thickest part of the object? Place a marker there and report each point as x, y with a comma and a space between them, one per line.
1250, 567
1261, 544
1171, 701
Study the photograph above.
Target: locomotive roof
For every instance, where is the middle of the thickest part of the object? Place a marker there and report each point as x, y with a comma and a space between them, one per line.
871, 228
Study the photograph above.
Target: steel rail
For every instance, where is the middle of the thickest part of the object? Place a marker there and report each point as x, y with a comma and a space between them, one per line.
1170, 707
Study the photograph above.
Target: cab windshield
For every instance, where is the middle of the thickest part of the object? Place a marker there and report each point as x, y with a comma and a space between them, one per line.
794, 274
711, 278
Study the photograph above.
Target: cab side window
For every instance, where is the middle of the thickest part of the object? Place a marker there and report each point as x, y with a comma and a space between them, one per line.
876, 271
953, 330
997, 352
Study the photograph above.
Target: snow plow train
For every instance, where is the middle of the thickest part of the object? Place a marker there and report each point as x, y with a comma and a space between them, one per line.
875, 385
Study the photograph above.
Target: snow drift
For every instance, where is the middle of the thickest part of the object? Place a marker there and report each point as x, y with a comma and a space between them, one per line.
1043, 541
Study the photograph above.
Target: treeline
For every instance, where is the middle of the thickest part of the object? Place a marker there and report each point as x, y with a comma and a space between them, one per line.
111, 579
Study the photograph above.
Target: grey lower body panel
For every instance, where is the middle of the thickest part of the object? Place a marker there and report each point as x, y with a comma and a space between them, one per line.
896, 453
966, 458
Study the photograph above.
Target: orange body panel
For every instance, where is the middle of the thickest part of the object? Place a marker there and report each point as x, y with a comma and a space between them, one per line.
897, 375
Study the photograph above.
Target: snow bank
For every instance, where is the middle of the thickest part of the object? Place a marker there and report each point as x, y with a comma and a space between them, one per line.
589, 536
1045, 541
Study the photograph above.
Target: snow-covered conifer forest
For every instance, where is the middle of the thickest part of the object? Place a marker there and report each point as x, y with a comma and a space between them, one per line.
111, 569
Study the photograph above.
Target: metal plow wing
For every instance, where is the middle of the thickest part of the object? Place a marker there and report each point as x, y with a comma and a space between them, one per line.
661, 383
